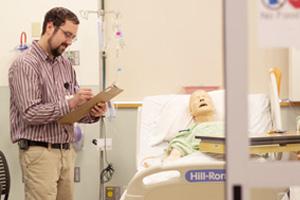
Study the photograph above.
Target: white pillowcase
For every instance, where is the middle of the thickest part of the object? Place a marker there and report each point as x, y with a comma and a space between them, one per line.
174, 116
259, 111
217, 97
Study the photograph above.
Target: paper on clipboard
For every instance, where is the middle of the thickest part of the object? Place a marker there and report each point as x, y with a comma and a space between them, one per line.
82, 110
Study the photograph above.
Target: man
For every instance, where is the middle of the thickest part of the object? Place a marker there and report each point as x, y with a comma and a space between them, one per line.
43, 88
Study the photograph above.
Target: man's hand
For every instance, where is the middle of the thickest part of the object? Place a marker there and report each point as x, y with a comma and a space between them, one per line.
98, 110
82, 96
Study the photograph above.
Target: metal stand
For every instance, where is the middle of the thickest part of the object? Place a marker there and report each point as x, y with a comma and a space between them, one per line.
102, 56
102, 69
102, 85
101, 164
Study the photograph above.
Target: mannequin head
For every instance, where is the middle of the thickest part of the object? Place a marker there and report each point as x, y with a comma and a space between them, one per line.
201, 106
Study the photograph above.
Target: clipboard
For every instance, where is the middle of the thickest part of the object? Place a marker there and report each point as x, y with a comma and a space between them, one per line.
82, 110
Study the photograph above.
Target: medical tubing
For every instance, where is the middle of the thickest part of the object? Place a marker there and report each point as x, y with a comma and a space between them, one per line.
107, 174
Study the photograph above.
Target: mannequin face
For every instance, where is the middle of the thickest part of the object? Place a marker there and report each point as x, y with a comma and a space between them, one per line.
201, 104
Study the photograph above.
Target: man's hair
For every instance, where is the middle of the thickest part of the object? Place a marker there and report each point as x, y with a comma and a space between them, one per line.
58, 17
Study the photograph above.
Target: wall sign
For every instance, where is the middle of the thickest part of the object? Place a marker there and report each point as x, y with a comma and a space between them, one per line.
278, 23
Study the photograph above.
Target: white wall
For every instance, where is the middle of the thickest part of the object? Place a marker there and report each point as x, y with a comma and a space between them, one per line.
169, 44
167, 49
17, 16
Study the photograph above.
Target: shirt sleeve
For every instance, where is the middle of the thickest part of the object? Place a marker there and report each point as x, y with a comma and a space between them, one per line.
28, 97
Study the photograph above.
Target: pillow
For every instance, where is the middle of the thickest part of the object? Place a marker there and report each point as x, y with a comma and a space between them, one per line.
150, 114
259, 111
174, 116
217, 97
259, 114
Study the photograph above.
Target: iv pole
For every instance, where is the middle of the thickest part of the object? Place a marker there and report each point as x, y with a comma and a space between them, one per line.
102, 85
102, 52
102, 80
102, 56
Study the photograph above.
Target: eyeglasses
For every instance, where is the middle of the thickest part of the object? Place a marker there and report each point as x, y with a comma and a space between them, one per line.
68, 35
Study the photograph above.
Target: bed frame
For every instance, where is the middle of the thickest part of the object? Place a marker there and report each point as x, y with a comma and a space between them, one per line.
193, 181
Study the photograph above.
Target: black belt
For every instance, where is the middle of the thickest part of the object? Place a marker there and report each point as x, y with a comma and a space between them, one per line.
27, 143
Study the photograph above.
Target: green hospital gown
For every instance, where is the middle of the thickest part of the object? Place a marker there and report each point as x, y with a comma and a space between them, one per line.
185, 140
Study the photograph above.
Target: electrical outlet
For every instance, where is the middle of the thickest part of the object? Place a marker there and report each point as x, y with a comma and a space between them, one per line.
112, 193
101, 143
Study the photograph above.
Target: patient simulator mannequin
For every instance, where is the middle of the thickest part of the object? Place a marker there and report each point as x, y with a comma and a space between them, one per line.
204, 123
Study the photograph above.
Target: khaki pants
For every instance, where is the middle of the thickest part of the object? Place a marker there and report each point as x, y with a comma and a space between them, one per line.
48, 174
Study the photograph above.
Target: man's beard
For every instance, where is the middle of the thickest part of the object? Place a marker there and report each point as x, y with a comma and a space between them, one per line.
58, 50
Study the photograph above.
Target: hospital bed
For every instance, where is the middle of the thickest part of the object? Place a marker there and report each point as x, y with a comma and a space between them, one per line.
197, 176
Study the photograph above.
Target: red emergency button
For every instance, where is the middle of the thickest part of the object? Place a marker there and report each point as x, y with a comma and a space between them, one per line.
295, 3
